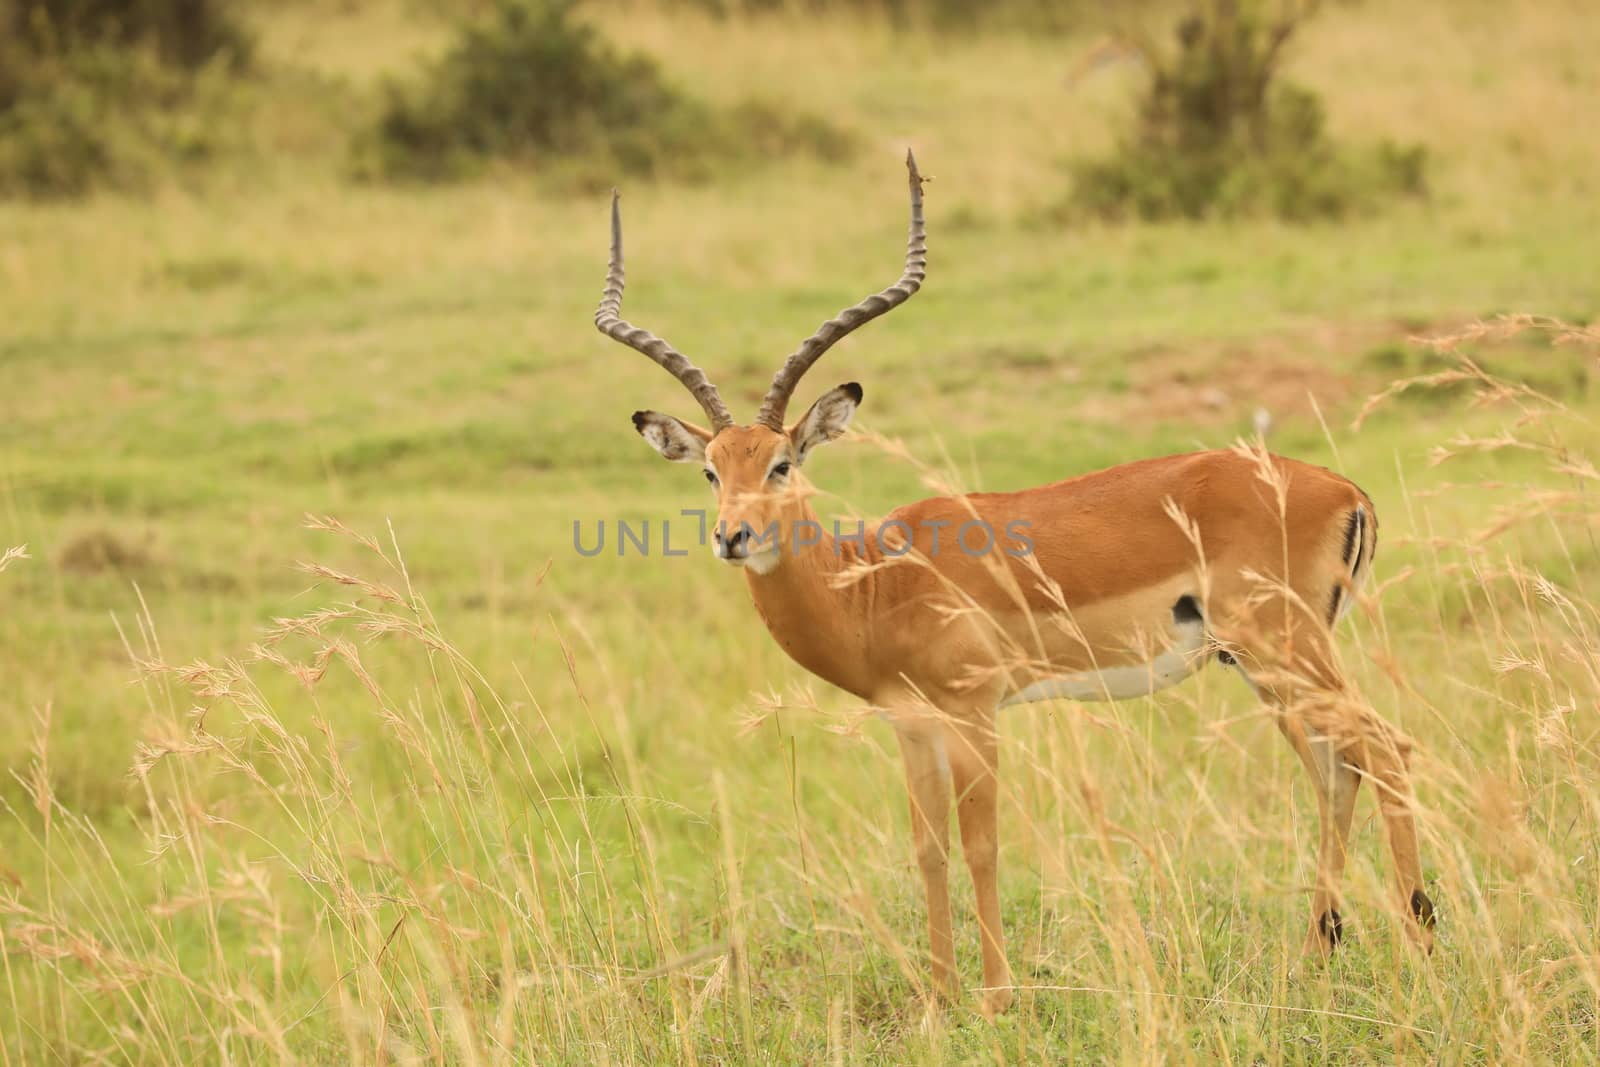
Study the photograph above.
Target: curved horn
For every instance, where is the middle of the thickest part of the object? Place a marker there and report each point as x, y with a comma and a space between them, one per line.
608, 320
795, 367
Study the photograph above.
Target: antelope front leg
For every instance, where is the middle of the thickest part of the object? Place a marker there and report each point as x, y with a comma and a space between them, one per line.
928, 782
974, 765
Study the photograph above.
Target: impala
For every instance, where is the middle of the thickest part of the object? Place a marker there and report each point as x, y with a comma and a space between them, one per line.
1103, 586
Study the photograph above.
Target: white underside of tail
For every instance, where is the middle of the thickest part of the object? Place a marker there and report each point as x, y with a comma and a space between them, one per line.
1359, 567
1130, 680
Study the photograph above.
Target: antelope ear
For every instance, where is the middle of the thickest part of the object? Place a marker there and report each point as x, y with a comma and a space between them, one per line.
826, 420
679, 441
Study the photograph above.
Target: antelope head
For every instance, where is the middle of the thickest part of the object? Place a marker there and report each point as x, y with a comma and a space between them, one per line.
754, 470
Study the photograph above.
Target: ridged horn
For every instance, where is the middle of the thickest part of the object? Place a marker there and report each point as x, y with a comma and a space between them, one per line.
795, 367
608, 319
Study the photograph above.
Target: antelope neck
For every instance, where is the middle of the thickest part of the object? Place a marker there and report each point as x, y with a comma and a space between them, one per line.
823, 626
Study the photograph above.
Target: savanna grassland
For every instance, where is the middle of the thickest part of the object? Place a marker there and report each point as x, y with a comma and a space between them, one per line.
324, 745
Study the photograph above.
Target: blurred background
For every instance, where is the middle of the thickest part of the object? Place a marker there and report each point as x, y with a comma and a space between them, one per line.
340, 258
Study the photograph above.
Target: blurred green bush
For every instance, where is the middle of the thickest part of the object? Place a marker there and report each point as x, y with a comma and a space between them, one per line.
941, 14
1219, 132
186, 34
99, 92
528, 83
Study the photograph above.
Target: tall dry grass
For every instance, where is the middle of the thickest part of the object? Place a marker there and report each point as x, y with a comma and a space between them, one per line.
468, 883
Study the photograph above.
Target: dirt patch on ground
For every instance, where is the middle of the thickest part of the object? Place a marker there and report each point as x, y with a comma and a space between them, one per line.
97, 550
1237, 383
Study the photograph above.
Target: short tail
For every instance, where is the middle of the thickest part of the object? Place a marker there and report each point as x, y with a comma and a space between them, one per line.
1366, 520
1360, 546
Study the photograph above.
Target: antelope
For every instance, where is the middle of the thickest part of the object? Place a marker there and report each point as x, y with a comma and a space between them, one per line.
1107, 585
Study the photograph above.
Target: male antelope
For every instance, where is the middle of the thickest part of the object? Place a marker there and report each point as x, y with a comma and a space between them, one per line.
1105, 586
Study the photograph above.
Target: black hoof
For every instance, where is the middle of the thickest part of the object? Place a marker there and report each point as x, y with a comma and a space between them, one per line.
1331, 927
1422, 909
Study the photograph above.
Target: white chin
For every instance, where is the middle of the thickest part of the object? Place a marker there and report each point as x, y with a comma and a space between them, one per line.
762, 563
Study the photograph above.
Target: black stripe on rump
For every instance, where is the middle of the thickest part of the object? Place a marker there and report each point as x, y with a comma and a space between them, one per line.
1352, 531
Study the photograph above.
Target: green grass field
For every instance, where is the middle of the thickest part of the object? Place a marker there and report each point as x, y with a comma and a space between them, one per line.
467, 796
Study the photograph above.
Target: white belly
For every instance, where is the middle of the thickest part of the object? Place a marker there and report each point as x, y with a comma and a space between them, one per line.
1130, 680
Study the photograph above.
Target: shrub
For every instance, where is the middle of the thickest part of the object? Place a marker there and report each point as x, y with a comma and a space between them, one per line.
94, 92
528, 83
185, 34
1219, 132
938, 14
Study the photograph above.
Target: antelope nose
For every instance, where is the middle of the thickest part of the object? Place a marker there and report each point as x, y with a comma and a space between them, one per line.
735, 544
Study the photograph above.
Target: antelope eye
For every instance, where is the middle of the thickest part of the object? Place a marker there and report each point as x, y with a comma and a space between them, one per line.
711, 477
781, 470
